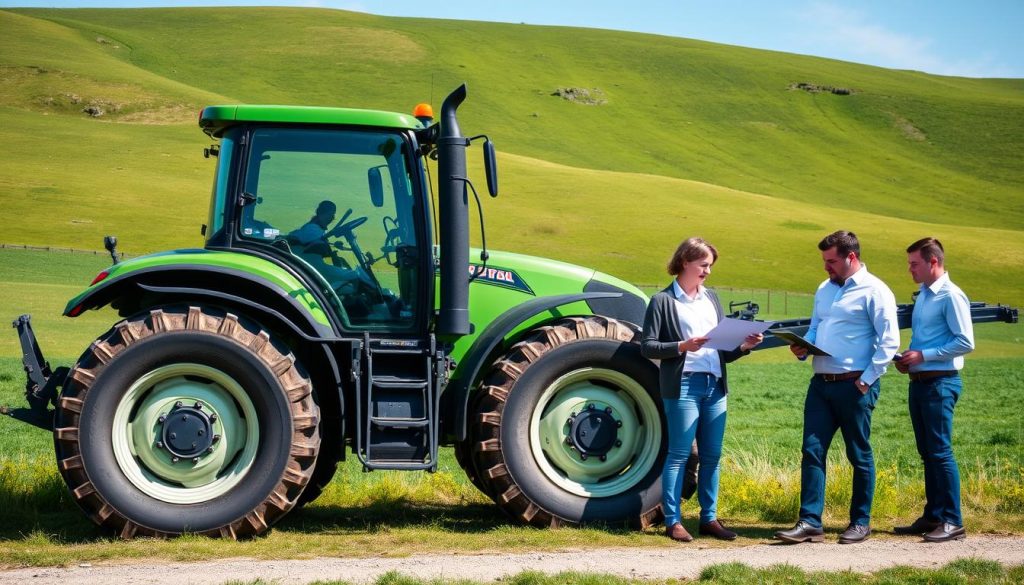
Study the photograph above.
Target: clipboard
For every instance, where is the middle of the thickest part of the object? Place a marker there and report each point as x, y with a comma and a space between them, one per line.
795, 339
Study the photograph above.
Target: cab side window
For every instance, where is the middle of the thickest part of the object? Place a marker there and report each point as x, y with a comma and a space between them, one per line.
341, 202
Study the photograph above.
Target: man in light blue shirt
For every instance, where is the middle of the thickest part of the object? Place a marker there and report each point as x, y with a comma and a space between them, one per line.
312, 245
941, 335
854, 321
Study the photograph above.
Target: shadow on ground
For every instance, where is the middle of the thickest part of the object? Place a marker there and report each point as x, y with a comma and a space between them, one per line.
65, 522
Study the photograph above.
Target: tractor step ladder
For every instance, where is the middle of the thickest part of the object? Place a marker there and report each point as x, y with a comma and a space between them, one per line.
399, 402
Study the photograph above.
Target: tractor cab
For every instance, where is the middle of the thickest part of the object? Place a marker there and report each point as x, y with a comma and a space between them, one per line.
337, 195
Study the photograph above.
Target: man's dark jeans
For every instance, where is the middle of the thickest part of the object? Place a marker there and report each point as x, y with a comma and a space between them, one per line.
931, 412
832, 406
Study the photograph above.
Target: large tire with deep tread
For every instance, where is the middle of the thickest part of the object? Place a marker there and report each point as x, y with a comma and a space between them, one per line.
522, 421
114, 416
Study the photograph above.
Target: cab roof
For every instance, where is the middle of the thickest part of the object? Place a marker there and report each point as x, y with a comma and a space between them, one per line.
214, 120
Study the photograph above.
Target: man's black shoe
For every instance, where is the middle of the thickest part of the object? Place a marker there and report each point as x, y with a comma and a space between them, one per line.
802, 532
946, 532
919, 526
855, 533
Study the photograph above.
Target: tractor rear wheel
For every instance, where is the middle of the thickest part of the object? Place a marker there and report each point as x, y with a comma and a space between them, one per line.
567, 427
186, 419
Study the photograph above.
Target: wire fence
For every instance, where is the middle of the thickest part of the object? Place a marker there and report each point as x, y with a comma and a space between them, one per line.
120, 254
770, 302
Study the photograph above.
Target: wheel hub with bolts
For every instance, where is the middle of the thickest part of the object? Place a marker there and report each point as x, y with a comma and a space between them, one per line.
593, 432
186, 432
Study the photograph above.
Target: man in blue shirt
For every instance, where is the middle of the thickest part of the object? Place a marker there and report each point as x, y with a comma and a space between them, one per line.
854, 321
312, 245
941, 334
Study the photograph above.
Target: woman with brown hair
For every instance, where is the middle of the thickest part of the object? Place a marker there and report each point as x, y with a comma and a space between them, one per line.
693, 382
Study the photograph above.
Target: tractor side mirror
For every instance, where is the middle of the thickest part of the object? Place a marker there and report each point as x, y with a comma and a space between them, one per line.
376, 186
491, 167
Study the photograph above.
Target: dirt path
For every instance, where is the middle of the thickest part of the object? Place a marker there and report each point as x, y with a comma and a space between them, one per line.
682, 561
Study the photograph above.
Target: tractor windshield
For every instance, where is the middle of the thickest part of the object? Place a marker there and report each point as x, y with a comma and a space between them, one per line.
341, 202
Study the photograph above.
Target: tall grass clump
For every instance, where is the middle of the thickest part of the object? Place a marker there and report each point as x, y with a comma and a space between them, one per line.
29, 485
35, 507
752, 487
756, 490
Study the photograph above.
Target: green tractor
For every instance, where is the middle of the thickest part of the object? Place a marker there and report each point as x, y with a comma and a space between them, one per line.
243, 372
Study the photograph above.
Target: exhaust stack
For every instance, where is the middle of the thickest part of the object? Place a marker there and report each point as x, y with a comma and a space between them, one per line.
453, 320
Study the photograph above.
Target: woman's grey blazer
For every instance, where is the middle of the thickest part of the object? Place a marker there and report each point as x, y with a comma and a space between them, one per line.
661, 339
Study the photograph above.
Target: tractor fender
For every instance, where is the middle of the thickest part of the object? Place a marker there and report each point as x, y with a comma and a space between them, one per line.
227, 285
457, 392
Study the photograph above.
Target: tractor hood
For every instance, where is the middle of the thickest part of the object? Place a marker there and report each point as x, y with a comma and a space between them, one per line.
536, 276
508, 280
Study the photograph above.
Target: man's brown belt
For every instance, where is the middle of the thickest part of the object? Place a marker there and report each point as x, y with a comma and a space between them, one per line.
839, 377
930, 374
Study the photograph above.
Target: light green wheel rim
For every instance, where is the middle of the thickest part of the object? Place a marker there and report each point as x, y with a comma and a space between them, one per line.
627, 401
136, 432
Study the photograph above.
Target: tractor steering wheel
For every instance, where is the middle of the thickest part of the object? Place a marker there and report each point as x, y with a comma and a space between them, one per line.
346, 231
342, 228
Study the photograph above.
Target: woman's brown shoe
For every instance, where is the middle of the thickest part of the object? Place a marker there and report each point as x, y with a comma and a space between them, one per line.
715, 528
677, 532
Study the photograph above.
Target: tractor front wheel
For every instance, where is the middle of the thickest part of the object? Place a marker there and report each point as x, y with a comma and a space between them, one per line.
567, 427
187, 420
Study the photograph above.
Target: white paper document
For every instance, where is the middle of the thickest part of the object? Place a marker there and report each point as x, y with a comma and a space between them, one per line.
730, 333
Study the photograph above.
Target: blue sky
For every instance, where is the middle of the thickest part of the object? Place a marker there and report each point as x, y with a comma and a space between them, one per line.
948, 37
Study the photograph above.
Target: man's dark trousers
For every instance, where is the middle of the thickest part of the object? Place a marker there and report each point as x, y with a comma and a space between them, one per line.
832, 406
931, 405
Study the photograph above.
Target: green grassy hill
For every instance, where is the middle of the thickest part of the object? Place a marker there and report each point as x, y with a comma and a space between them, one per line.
690, 138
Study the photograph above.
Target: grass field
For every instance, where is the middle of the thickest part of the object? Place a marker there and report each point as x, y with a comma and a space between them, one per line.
710, 136
382, 513
718, 114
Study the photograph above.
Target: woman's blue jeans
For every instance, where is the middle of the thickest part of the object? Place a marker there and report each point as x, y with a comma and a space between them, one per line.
698, 412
